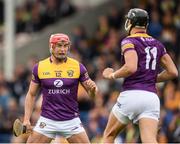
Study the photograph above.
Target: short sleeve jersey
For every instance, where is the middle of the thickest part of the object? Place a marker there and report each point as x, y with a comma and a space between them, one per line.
149, 52
59, 86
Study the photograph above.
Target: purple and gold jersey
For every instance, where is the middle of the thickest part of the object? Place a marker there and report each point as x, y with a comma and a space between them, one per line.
59, 86
149, 51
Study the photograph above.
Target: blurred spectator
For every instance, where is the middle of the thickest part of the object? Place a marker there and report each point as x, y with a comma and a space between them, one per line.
19, 84
36, 23
8, 113
78, 34
66, 8
155, 27
115, 18
51, 13
102, 29
33, 16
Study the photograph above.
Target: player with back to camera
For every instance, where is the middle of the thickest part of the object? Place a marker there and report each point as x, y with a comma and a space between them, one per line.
58, 77
138, 102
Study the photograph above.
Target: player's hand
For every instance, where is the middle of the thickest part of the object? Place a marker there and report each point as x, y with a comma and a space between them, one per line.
92, 86
28, 126
107, 73
94, 89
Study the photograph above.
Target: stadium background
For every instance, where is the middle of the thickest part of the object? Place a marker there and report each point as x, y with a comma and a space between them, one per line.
96, 28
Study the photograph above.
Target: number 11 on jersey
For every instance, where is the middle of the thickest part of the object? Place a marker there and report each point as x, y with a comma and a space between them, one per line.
151, 55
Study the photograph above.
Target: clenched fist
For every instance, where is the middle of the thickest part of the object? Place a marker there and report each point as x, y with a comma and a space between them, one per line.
107, 73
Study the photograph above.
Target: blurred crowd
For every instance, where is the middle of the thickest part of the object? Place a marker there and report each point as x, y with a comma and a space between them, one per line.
97, 52
34, 15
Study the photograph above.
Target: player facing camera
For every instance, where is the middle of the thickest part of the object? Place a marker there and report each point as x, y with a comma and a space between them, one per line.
58, 76
59, 45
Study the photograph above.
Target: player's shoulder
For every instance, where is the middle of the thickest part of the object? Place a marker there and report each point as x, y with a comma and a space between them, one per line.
156, 42
76, 63
159, 43
41, 62
45, 61
126, 40
73, 61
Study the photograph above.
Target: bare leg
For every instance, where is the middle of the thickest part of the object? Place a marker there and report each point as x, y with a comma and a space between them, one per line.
36, 137
114, 126
79, 138
148, 130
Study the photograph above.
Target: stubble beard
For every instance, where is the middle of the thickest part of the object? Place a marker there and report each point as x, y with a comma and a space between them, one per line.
60, 58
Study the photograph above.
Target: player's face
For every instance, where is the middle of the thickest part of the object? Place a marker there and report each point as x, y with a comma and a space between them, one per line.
60, 50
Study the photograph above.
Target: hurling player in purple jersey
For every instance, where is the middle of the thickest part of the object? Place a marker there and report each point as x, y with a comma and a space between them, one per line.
138, 102
58, 77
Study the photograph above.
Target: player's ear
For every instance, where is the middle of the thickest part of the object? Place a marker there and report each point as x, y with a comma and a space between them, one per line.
50, 50
51, 47
68, 52
69, 46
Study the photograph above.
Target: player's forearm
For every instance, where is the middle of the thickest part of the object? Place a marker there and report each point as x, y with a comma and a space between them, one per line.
124, 71
29, 103
90, 87
165, 75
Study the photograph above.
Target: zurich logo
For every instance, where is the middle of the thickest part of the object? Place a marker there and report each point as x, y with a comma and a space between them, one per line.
58, 83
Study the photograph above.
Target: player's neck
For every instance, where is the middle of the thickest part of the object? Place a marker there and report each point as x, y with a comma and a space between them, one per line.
138, 30
57, 61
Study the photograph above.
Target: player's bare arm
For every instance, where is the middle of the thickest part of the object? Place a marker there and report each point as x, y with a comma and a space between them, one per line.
170, 71
126, 70
25, 127
90, 87
29, 102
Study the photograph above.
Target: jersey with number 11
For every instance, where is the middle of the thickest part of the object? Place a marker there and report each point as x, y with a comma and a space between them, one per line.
149, 51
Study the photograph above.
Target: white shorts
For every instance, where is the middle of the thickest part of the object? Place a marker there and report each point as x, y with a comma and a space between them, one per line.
133, 105
51, 128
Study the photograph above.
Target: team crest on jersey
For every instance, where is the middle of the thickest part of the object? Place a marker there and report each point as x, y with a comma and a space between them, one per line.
42, 124
58, 73
70, 73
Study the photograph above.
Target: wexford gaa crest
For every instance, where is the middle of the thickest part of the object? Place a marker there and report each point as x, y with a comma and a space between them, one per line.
70, 73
